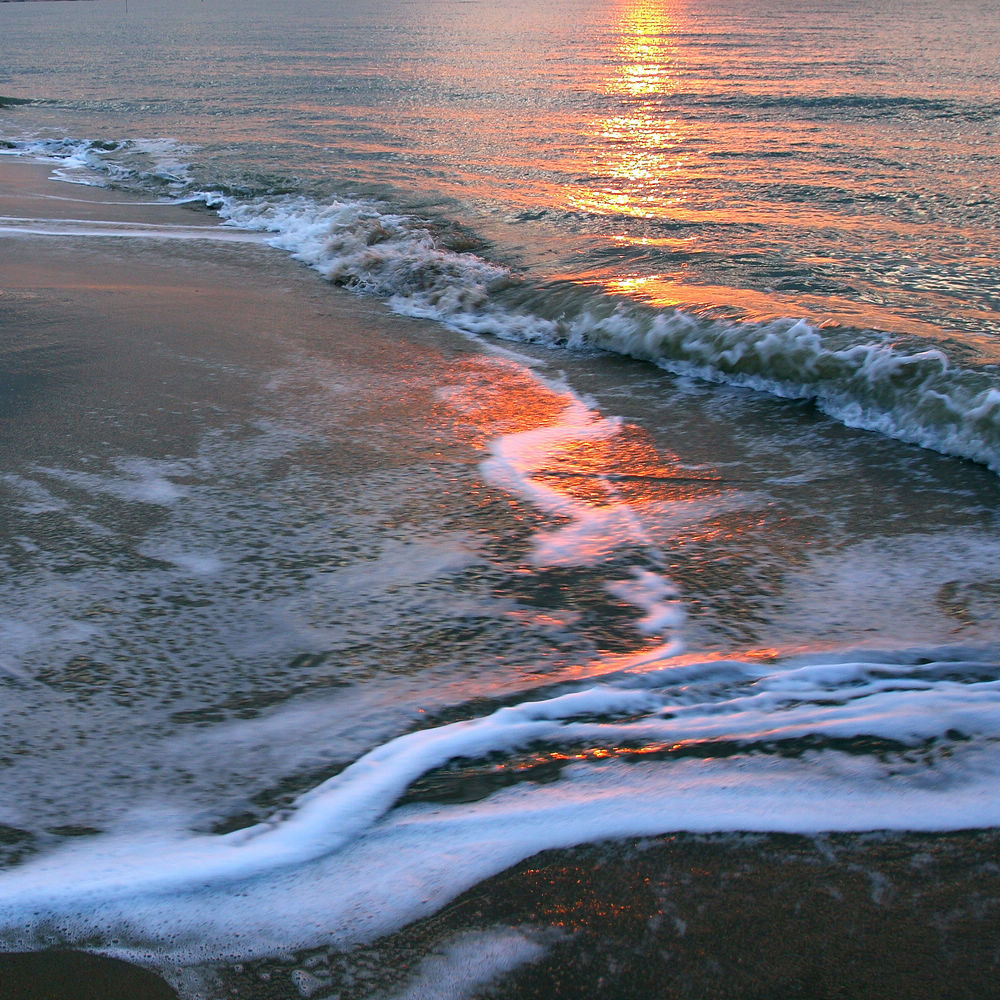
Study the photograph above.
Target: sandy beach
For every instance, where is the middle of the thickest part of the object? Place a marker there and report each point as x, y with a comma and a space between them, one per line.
499, 502
136, 308
132, 303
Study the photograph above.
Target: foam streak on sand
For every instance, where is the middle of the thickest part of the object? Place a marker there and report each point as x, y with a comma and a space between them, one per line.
662, 746
764, 760
122, 230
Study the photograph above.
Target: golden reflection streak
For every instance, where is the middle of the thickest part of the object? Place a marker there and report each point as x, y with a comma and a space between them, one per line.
723, 301
639, 150
640, 165
597, 753
646, 55
600, 480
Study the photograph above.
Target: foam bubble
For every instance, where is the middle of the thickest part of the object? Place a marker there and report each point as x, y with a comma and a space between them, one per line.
654, 595
193, 563
161, 162
140, 480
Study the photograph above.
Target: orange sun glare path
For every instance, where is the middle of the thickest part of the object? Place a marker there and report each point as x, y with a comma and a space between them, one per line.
596, 491
638, 156
646, 161
647, 52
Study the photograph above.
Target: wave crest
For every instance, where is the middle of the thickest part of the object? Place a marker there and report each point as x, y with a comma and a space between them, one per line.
909, 391
915, 395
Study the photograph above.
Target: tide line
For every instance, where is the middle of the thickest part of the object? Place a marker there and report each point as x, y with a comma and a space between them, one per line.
10, 226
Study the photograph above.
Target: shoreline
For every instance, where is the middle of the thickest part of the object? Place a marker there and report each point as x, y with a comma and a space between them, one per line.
154, 293
911, 916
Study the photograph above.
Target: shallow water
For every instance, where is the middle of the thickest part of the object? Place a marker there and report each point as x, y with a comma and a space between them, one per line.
329, 641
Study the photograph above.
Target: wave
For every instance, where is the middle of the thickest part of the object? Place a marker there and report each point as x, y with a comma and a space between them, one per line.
157, 165
849, 105
918, 395
912, 391
13, 102
650, 743
702, 747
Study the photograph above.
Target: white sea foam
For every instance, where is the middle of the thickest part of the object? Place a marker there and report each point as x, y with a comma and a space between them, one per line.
187, 561
358, 244
121, 230
33, 497
594, 531
468, 962
159, 161
898, 586
658, 745
144, 480
342, 865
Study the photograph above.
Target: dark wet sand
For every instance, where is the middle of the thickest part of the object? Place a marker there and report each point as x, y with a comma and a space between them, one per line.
735, 917
68, 975
893, 917
914, 917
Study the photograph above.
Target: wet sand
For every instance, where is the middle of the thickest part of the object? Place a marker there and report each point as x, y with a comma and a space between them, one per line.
898, 917
134, 305
728, 917
68, 975
142, 343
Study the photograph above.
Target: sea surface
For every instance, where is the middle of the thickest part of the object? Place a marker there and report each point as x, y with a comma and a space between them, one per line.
723, 553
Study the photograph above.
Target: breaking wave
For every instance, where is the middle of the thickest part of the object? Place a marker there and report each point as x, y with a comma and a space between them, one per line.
915, 394
908, 389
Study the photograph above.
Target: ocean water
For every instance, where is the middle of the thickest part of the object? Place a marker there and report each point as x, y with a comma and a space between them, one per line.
711, 543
